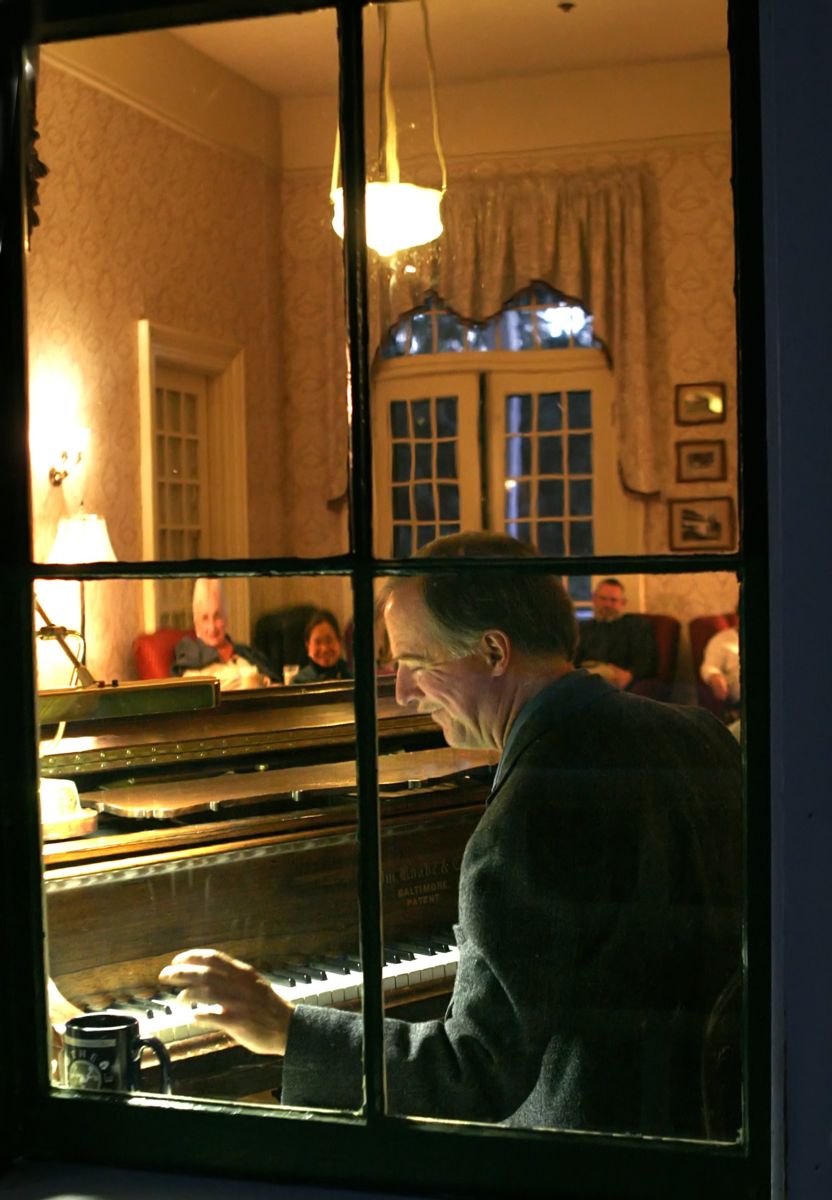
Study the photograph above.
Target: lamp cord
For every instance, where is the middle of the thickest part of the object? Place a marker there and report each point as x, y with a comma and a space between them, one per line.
388, 158
434, 107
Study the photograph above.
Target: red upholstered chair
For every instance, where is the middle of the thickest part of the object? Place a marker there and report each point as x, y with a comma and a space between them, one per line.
702, 629
153, 652
660, 685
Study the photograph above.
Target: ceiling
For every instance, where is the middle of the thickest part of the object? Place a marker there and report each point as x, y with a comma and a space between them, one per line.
473, 40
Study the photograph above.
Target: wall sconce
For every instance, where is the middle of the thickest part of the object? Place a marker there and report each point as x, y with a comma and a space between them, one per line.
69, 457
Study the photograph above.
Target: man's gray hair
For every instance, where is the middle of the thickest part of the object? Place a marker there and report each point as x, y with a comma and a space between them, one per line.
533, 610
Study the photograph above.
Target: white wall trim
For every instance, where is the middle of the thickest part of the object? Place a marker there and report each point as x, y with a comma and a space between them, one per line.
224, 365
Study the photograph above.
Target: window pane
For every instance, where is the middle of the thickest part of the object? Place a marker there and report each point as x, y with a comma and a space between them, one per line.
448, 502
518, 500
580, 410
219, 235
580, 497
549, 412
446, 425
423, 502
450, 332
446, 460
550, 498
580, 453
620, 856
401, 463
200, 785
550, 455
550, 538
420, 412
519, 414
402, 541
518, 456
401, 503
580, 537
423, 465
398, 418
422, 334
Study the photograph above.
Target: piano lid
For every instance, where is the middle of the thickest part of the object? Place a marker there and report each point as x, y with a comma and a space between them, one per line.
142, 697
244, 725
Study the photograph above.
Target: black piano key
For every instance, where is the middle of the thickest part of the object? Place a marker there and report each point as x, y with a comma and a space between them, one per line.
336, 966
404, 954
129, 1005
391, 956
304, 971
157, 1003
353, 960
281, 977
417, 947
439, 945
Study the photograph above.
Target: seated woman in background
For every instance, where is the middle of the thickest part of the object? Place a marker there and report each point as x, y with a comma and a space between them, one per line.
323, 648
212, 651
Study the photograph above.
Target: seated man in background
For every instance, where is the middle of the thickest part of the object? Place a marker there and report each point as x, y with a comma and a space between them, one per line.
212, 651
721, 667
619, 646
322, 637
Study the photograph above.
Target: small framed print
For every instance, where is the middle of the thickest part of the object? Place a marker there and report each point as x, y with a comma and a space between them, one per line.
701, 462
702, 523
700, 403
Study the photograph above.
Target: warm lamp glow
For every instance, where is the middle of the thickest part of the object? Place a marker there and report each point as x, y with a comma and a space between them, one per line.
82, 539
398, 216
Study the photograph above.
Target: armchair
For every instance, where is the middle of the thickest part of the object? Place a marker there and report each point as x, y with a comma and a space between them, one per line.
660, 686
153, 652
701, 631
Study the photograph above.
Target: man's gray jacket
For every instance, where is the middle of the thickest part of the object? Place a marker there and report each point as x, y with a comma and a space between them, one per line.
599, 933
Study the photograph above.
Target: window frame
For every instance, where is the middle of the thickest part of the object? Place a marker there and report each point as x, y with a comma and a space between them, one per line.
376, 1151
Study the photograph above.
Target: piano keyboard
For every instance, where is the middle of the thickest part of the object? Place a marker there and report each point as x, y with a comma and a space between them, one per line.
326, 981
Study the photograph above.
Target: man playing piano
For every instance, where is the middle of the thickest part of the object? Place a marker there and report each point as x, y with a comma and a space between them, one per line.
599, 895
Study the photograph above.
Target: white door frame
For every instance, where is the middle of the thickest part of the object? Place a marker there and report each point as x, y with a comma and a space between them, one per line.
223, 365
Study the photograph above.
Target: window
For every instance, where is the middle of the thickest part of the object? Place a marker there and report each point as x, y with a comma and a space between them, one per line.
519, 442
373, 1147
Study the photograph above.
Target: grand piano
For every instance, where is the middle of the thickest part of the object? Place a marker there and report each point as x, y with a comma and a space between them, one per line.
235, 827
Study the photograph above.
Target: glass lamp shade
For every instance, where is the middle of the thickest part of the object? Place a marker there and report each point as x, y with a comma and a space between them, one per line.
398, 216
82, 539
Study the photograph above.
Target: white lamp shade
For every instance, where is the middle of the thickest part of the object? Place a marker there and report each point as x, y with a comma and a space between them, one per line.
82, 539
398, 215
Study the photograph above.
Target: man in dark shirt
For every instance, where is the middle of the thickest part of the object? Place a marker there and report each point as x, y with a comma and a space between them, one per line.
617, 645
599, 917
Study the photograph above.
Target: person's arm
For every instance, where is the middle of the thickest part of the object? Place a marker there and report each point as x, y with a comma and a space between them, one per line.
711, 669
190, 655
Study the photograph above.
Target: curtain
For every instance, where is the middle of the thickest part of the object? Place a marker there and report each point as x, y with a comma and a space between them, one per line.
583, 233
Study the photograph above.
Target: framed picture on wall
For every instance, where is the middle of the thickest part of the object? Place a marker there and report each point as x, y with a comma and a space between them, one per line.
700, 403
699, 462
702, 523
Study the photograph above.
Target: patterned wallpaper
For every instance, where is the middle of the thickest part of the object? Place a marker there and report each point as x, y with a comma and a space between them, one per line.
139, 220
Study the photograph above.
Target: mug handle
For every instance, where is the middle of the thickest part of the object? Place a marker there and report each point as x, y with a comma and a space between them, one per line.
163, 1057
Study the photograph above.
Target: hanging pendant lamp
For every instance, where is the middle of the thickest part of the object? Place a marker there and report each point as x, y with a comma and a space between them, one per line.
398, 215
